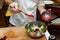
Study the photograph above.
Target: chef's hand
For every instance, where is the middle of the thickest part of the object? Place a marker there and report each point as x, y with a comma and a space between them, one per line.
47, 15
13, 10
14, 7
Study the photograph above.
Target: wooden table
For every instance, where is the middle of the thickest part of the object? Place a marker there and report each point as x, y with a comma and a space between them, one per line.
20, 34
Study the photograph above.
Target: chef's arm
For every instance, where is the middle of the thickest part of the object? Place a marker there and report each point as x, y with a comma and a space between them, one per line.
8, 1
41, 9
45, 13
41, 5
13, 6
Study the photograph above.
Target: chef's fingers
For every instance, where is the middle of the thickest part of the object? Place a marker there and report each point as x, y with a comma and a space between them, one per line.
13, 10
50, 10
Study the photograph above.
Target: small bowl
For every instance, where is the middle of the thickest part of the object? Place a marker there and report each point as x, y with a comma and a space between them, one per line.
36, 29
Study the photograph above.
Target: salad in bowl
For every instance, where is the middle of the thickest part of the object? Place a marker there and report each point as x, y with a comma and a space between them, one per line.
36, 29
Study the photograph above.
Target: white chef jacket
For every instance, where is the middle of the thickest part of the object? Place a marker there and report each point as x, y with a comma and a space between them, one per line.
27, 6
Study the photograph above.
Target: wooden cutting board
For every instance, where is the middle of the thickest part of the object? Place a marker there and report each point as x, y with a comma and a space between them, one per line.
20, 34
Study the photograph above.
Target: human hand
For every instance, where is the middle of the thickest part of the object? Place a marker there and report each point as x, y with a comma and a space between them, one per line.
47, 15
14, 7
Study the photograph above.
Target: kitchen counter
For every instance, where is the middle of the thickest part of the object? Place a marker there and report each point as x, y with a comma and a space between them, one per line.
18, 33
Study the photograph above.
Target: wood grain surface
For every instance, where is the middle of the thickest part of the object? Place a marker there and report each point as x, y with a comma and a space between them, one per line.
19, 34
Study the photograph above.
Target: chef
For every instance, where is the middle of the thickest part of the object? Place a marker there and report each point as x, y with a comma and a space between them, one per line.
24, 11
